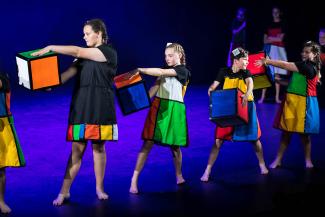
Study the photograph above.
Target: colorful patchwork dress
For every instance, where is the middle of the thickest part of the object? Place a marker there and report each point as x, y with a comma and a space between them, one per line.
299, 111
11, 154
251, 131
92, 111
166, 122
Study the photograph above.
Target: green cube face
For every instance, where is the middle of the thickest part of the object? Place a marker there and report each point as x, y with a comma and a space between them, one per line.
298, 84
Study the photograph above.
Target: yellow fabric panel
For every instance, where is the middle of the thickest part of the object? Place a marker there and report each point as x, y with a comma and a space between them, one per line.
106, 132
293, 114
231, 83
8, 150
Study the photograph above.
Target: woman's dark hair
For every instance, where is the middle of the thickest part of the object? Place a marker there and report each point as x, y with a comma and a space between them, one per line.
238, 53
315, 49
98, 25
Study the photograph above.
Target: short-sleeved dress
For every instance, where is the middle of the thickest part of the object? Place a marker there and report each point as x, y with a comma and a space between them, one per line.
11, 154
299, 112
251, 131
276, 50
166, 122
92, 111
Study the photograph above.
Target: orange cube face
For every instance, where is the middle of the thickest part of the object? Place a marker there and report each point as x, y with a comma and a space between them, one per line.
38, 72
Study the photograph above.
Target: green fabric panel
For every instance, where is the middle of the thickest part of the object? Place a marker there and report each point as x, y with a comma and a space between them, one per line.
171, 127
76, 132
261, 81
27, 54
298, 84
19, 150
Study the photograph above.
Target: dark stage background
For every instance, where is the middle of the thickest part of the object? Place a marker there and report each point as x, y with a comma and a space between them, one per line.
140, 29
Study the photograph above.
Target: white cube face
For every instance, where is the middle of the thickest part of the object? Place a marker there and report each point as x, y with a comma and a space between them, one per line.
23, 74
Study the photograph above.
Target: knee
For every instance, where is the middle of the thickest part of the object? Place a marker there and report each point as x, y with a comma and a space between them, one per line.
218, 143
147, 147
99, 148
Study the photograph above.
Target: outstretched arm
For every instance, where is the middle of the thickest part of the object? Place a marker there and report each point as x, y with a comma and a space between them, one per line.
79, 52
289, 66
157, 72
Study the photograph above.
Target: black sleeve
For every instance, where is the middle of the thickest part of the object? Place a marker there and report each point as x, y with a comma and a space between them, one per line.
306, 68
246, 74
221, 75
110, 54
5, 83
182, 74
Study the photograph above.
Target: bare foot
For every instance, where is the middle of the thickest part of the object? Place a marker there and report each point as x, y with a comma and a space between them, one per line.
134, 188
60, 199
180, 180
278, 101
101, 195
309, 164
260, 101
205, 177
275, 164
4, 208
263, 169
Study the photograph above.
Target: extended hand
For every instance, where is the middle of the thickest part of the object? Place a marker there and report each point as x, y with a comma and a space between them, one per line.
41, 52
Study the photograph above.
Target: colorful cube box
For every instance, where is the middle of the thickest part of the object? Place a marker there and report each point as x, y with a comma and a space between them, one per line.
37, 72
262, 76
131, 93
226, 108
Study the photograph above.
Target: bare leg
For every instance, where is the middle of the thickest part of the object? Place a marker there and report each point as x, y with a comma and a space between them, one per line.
259, 153
212, 158
73, 166
277, 90
306, 141
4, 208
177, 158
99, 154
142, 157
261, 100
285, 140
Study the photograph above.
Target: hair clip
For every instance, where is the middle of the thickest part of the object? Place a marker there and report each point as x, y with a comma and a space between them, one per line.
169, 43
235, 52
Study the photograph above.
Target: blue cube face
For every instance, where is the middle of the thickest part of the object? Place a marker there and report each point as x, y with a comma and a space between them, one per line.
223, 103
133, 98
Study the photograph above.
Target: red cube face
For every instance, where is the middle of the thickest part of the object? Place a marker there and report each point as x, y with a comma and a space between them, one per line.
251, 65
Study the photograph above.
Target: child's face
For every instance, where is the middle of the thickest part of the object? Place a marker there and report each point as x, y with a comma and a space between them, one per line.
172, 58
240, 15
241, 63
321, 38
306, 54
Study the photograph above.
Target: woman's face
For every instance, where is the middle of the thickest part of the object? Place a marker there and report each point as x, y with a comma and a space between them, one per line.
172, 58
92, 38
306, 54
276, 13
241, 63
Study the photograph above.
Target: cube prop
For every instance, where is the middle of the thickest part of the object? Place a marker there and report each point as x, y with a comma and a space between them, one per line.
262, 76
226, 108
131, 93
37, 72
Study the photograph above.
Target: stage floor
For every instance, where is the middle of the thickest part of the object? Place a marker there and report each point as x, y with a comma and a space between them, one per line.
236, 187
